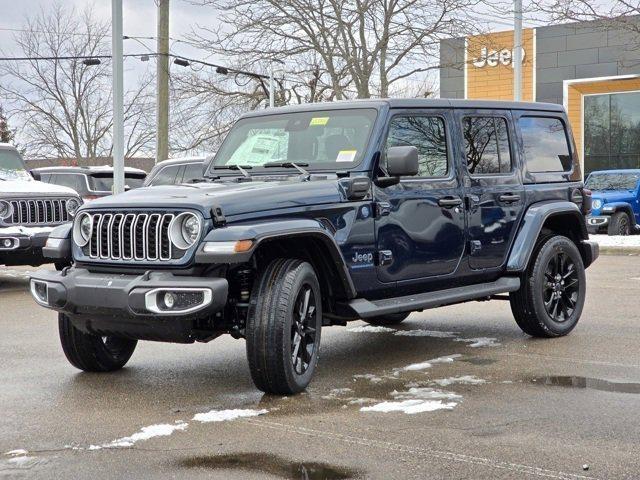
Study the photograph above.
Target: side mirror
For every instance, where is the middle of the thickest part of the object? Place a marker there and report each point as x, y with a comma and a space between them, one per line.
401, 162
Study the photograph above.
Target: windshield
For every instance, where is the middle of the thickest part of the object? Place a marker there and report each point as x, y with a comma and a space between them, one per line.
105, 184
11, 166
330, 139
612, 181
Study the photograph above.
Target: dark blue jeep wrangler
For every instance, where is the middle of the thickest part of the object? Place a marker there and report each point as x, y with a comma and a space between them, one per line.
316, 215
616, 201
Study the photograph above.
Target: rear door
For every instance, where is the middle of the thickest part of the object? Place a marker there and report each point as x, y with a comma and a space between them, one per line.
494, 194
420, 221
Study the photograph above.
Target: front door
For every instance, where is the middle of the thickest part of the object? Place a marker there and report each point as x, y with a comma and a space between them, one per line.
420, 221
494, 194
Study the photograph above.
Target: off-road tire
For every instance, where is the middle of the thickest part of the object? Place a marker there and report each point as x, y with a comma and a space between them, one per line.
93, 353
390, 319
528, 303
619, 224
272, 323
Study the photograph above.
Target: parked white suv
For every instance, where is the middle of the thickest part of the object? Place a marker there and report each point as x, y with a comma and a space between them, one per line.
29, 210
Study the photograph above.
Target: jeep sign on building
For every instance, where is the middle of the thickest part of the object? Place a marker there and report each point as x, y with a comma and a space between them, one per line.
591, 68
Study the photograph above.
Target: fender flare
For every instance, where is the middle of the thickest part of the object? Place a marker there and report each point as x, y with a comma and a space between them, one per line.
262, 232
61, 251
531, 226
617, 207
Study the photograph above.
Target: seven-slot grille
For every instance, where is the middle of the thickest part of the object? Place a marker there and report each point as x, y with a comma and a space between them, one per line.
130, 236
38, 212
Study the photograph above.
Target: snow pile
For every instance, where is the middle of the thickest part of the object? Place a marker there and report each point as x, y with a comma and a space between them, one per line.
479, 342
226, 415
426, 333
464, 379
429, 363
631, 242
416, 400
369, 376
370, 329
145, 433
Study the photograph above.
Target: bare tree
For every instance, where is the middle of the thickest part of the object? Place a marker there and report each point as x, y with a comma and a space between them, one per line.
63, 107
362, 48
6, 133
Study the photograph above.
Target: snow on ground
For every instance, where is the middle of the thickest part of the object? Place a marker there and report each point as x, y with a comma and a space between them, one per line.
17, 452
426, 333
479, 342
226, 415
369, 376
371, 329
429, 363
463, 379
416, 400
145, 433
618, 241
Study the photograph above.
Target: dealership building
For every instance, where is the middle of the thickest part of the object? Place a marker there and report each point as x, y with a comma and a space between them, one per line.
592, 68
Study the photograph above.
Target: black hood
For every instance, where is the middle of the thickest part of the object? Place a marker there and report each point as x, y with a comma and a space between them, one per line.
234, 198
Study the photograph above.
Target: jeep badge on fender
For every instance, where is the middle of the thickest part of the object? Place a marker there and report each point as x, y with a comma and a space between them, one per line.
319, 214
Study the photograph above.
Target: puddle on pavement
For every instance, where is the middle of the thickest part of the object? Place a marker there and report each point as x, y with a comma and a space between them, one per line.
588, 383
270, 464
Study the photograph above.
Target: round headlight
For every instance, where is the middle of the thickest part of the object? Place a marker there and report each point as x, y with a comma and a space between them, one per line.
5, 210
72, 206
82, 229
597, 204
185, 230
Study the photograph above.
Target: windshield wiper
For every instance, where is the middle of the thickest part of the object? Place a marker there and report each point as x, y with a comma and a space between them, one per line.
297, 166
241, 168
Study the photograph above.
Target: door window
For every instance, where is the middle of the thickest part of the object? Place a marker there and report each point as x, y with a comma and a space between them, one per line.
545, 144
193, 171
428, 135
166, 176
69, 180
486, 143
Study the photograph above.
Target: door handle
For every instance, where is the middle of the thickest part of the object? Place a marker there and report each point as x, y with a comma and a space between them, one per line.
450, 202
509, 198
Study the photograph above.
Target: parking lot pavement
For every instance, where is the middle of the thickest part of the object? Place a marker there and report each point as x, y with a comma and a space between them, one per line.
492, 403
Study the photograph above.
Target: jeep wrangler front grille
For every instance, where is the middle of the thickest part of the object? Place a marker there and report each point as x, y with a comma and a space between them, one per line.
46, 211
141, 237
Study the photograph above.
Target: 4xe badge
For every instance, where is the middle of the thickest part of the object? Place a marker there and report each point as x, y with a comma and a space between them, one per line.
361, 260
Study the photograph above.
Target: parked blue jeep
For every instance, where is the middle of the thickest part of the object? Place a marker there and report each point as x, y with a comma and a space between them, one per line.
616, 201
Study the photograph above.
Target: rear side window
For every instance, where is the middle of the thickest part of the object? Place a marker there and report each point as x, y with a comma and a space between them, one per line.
71, 180
546, 148
193, 171
428, 135
486, 143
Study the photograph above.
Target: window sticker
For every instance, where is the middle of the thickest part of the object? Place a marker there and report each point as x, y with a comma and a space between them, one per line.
346, 155
318, 121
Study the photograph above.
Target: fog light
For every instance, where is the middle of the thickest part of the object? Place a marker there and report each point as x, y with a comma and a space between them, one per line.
40, 292
169, 300
7, 243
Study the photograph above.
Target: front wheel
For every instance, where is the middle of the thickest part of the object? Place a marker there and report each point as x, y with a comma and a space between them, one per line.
283, 327
550, 300
619, 224
93, 353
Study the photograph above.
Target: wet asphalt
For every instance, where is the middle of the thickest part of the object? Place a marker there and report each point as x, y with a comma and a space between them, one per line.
567, 408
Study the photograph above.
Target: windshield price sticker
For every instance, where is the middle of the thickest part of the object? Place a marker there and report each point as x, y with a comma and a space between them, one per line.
346, 155
318, 121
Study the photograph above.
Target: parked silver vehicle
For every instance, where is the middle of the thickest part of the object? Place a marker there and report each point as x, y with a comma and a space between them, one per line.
29, 210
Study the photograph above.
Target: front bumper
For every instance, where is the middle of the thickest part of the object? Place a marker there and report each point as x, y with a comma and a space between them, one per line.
79, 292
23, 245
596, 222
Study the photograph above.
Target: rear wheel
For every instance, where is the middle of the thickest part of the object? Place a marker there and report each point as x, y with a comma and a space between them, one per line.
550, 300
619, 224
390, 319
93, 353
283, 327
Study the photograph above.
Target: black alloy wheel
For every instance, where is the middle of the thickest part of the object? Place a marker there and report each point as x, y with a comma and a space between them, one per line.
303, 331
562, 287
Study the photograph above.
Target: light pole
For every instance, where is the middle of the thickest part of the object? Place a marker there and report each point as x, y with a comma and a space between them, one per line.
118, 94
517, 51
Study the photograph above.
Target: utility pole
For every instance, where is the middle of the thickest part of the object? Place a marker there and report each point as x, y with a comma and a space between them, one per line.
517, 51
118, 97
162, 99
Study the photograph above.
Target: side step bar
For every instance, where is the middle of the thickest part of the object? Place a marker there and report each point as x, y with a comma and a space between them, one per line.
372, 308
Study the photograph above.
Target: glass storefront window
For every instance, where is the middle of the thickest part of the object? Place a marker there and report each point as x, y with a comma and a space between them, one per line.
611, 131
